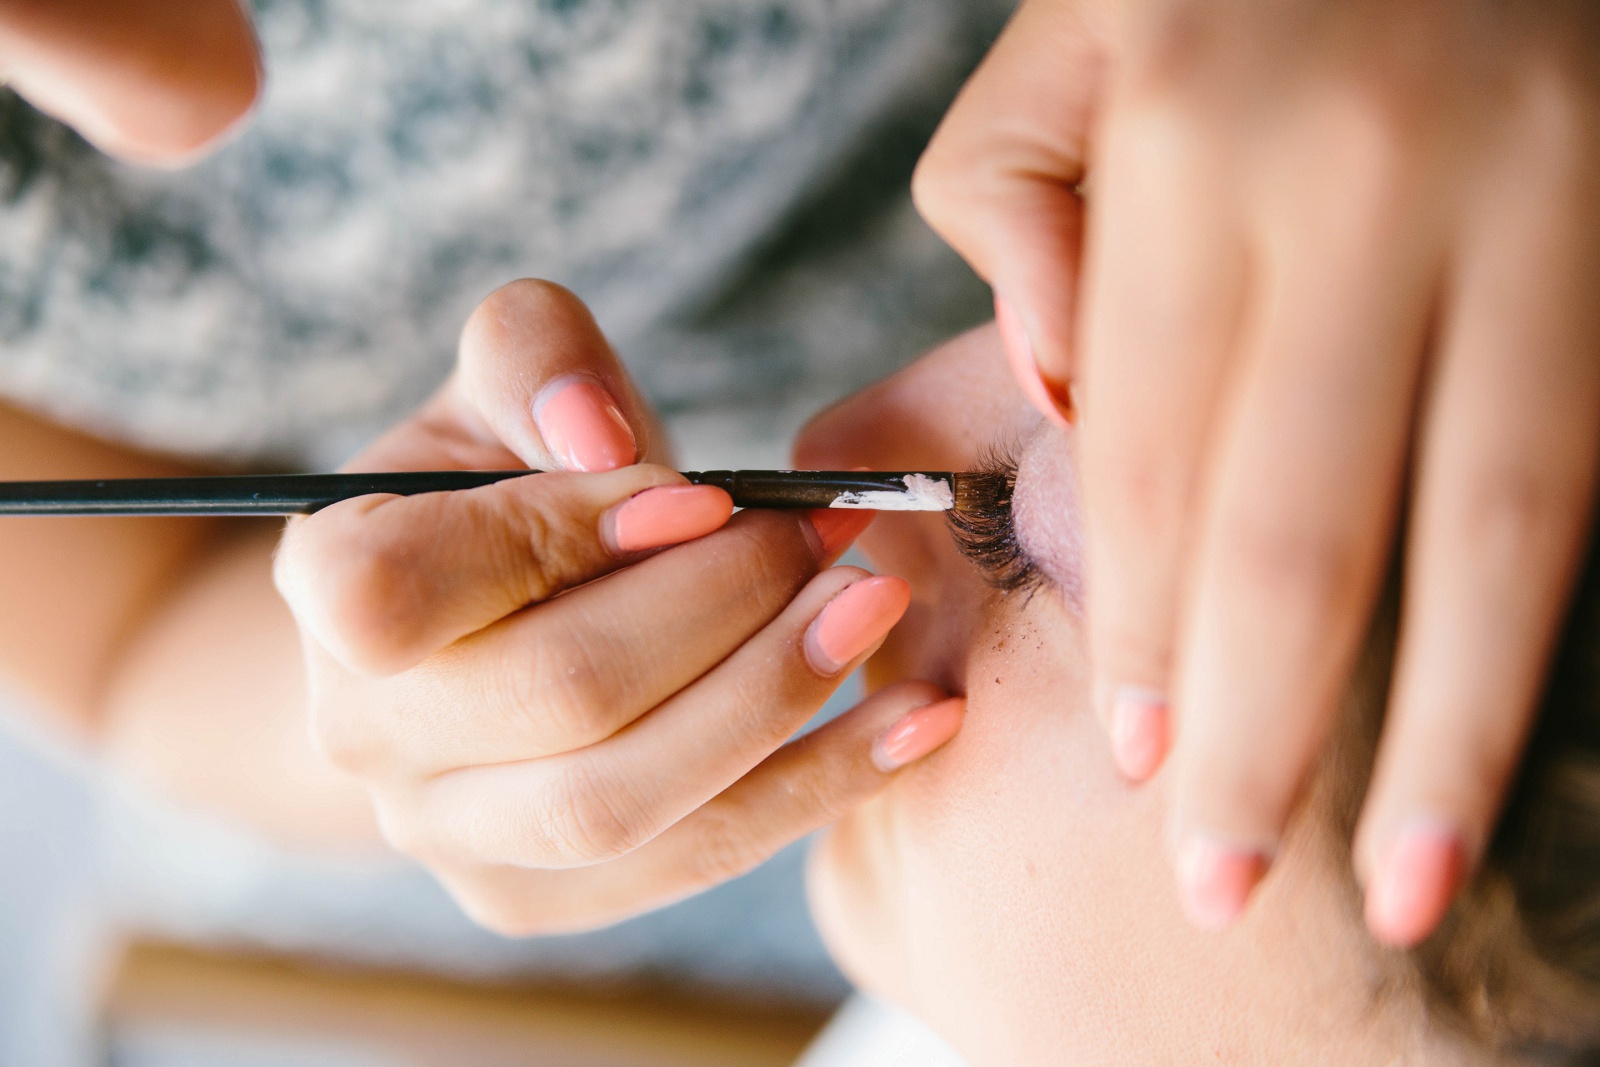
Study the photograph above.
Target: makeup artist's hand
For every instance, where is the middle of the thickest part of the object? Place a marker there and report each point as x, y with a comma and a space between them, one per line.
152, 81
565, 724
1335, 250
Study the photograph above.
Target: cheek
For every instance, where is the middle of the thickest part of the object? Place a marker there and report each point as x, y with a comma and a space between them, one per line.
852, 883
999, 889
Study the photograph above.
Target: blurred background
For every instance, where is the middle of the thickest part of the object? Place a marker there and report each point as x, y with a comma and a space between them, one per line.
133, 934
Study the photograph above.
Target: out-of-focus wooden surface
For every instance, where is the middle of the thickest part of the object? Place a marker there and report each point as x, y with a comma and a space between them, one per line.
428, 1022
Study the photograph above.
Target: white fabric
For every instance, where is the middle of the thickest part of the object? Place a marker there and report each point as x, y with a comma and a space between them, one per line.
870, 1033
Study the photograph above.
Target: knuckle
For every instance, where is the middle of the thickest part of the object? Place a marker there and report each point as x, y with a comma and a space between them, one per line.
1252, 798
725, 846
1143, 489
1243, 789
357, 583
371, 601
760, 713
557, 701
768, 559
1558, 116
1370, 139
1282, 559
1175, 48
1509, 509
977, 182
1173, 35
581, 819
548, 546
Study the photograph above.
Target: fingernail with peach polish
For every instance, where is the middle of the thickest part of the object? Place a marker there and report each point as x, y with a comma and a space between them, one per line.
582, 425
1416, 883
1139, 731
917, 733
853, 621
1215, 880
1054, 400
836, 528
666, 515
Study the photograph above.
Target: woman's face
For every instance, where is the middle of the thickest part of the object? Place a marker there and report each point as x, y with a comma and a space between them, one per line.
1011, 889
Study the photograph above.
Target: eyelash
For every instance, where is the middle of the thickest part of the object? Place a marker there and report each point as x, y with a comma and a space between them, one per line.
982, 526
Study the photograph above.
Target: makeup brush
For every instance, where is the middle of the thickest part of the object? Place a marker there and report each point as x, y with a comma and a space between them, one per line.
302, 494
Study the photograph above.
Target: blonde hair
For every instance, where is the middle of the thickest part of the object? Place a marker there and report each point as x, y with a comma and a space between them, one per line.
1515, 966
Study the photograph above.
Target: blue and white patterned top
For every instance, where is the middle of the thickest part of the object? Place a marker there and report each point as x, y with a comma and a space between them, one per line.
288, 298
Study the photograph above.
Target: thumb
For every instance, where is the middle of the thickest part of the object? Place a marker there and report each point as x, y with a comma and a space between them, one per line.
537, 375
152, 81
999, 182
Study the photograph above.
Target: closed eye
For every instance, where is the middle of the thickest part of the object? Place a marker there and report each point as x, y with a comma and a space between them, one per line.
982, 524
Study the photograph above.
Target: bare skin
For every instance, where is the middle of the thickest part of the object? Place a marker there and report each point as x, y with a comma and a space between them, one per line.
151, 81
1010, 889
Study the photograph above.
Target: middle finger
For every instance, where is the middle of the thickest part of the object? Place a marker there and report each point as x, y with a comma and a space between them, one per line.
568, 673
1299, 520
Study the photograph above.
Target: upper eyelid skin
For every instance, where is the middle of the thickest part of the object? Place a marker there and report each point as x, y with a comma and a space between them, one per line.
1046, 512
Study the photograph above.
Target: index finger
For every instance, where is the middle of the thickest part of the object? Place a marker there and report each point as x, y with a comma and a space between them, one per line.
385, 581
999, 182
154, 81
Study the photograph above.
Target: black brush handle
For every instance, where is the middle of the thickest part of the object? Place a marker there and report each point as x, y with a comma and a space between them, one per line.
302, 494
241, 494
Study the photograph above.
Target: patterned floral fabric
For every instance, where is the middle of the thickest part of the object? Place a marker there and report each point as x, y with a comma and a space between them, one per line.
723, 181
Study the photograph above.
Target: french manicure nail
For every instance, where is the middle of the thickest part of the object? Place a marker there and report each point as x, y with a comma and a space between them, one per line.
666, 515
1053, 400
1215, 880
1139, 731
582, 425
1414, 886
853, 621
917, 733
836, 528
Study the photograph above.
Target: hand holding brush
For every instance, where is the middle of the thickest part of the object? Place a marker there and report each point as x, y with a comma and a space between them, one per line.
570, 695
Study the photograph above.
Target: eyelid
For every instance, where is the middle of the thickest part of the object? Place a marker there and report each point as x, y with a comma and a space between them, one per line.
984, 531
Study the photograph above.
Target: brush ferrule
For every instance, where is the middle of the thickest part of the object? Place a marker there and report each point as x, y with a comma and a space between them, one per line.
861, 490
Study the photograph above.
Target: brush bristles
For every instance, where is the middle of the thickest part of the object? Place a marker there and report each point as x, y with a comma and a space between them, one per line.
981, 525
981, 493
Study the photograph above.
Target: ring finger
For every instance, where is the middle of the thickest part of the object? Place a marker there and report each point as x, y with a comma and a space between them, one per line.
591, 805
